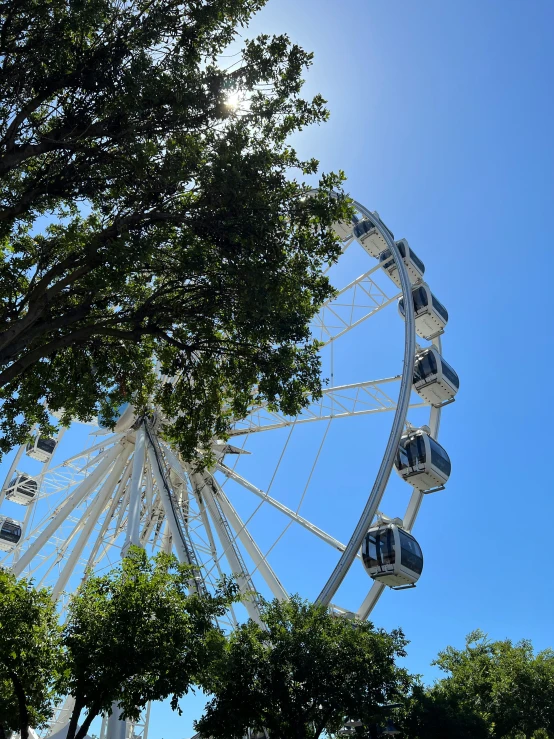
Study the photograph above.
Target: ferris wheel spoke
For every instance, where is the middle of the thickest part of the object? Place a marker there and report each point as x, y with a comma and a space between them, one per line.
212, 548
260, 562
370, 600
108, 518
148, 490
327, 538
120, 523
206, 488
159, 530
151, 521
60, 547
171, 509
135, 491
69, 462
90, 519
66, 508
350, 307
67, 474
40, 562
344, 401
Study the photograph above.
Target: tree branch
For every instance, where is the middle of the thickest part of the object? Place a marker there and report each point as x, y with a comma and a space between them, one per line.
14, 347
43, 351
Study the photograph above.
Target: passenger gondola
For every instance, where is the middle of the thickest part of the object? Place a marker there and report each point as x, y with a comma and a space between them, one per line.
41, 448
430, 315
434, 379
414, 265
10, 533
392, 556
369, 237
421, 461
22, 489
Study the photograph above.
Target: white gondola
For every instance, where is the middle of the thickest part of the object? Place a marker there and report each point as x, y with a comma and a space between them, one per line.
413, 263
421, 461
434, 379
22, 489
41, 448
10, 533
369, 237
430, 315
392, 556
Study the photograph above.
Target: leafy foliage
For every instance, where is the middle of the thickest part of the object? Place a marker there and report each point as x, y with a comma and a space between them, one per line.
302, 673
136, 635
130, 636
30, 655
493, 689
143, 219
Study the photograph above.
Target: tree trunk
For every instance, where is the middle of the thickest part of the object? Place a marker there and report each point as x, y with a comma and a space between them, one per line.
22, 705
2, 732
74, 721
91, 715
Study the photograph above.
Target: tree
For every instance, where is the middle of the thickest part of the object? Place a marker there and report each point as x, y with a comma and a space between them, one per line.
301, 673
433, 713
30, 655
131, 636
137, 635
145, 219
493, 689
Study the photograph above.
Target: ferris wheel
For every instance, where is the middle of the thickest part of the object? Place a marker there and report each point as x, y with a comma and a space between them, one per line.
285, 508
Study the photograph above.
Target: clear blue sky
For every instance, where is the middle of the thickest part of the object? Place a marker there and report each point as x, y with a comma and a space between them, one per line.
442, 120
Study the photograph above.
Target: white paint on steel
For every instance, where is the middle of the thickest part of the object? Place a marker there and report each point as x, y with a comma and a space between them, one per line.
135, 491
178, 543
67, 507
383, 474
252, 548
93, 514
12, 469
228, 472
207, 487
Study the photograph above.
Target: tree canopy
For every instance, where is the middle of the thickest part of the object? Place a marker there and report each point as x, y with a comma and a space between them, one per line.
150, 228
302, 673
493, 690
137, 635
132, 636
30, 655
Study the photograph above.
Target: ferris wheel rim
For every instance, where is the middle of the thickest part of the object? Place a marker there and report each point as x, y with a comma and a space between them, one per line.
370, 509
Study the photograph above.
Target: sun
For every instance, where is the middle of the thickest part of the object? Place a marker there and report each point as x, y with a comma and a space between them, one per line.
232, 100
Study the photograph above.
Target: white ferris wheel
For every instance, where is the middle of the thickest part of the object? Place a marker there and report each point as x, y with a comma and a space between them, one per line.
284, 508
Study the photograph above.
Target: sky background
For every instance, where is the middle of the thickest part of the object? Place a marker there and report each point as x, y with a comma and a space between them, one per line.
441, 117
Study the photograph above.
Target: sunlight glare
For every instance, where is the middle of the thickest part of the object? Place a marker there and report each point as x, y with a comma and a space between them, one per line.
232, 100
